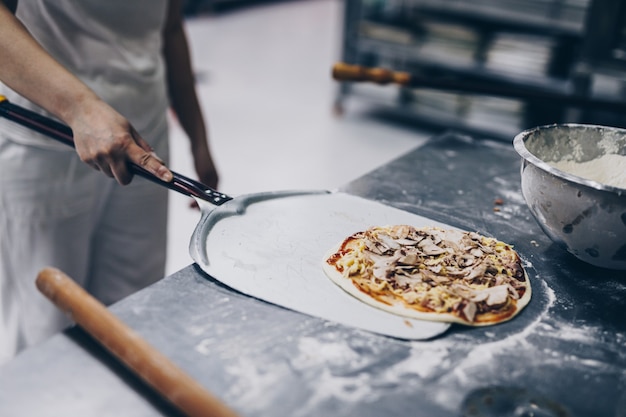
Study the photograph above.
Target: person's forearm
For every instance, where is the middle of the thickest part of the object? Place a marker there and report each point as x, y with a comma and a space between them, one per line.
103, 138
28, 69
181, 86
183, 98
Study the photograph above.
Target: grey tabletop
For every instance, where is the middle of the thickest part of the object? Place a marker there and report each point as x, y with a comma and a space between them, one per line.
564, 355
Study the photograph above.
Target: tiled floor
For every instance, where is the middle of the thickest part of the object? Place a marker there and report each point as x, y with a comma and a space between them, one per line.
267, 93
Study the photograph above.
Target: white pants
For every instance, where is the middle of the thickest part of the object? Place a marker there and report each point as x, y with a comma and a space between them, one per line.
57, 211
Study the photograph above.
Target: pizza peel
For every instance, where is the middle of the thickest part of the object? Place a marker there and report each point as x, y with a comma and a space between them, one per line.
271, 245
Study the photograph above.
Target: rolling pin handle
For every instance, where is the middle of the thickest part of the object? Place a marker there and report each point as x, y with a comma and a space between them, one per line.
145, 361
347, 72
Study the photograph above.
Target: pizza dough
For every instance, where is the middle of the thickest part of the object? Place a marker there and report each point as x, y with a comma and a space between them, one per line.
431, 274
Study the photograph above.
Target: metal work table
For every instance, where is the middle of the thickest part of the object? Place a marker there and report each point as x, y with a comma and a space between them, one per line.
564, 355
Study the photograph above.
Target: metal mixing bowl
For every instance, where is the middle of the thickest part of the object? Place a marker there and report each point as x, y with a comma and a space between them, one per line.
584, 216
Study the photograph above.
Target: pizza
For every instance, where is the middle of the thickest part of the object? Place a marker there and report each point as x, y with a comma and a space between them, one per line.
431, 273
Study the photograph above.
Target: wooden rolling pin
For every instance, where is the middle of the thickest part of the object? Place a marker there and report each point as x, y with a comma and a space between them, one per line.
347, 72
356, 73
141, 358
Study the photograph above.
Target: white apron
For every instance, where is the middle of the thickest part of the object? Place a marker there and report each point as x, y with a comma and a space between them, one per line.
57, 211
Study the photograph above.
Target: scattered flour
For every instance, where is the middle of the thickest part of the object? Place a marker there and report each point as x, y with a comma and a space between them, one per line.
609, 169
332, 371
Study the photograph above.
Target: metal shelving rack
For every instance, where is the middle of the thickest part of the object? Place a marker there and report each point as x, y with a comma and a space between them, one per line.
561, 47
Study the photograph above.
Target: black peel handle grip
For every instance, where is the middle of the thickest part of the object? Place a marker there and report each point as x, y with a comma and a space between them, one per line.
63, 134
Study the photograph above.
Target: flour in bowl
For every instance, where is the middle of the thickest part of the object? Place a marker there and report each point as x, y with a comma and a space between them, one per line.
609, 169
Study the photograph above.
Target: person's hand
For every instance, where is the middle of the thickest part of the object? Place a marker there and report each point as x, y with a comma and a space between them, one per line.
205, 167
106, 141
103, 138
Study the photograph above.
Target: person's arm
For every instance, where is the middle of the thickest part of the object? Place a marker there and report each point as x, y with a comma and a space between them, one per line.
183, 98
104, 139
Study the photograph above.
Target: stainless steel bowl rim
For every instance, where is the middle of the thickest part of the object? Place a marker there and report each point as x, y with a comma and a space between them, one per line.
520, 147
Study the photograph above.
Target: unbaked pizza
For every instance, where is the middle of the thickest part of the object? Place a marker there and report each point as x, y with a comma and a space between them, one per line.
431, 274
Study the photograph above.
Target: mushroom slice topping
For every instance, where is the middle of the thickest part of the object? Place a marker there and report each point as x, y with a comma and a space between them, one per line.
429, 247
493, 295
469, 311
388, 241
410, 258
402, 231
476, 271
373, 247
474, 278
380, 270
406, 242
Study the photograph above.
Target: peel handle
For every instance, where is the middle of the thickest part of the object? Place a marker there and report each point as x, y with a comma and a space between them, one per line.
63, 134
145, 361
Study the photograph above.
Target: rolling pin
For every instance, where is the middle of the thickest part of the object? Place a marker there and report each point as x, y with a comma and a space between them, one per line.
357, 73
146, 362
382, 76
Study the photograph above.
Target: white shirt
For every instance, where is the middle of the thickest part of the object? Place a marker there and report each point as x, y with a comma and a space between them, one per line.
114, 46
